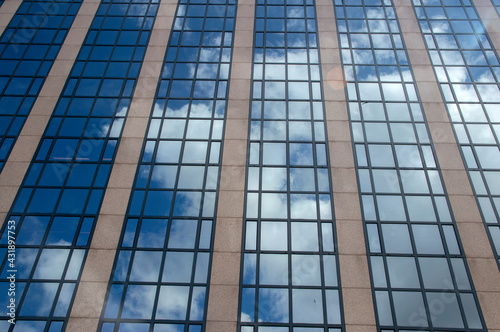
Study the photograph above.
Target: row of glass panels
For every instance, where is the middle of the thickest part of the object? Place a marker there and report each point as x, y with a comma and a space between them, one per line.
289, 219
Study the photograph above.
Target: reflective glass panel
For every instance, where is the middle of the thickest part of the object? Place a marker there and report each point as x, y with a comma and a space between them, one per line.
469, 78
60, 198
160, 281
410, 230
290, 277
28, 47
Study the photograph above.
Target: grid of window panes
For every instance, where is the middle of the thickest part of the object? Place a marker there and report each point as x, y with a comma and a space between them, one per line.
418, 271
57, 205
468, 71
290, 278
28, 48
160, 278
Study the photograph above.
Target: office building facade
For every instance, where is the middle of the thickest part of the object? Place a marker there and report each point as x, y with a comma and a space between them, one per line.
254, 166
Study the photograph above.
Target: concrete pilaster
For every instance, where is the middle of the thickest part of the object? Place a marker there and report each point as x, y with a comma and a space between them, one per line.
357, 298
222, 313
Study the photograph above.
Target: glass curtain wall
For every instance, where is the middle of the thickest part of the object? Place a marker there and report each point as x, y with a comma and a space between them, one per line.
290, 279
28, 48
59, 200
160, 278
418, 271
468, 72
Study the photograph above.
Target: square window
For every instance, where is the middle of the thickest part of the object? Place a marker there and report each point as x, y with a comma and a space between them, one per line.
274, 298
139, 301
273, 205
304, 236
303, 206
273, 235
301, 154
274, 179
178, 267
306, 270
146, 266
195, 152
403, 272
307, 306
396, 239
273, 269
274, 154
406, 304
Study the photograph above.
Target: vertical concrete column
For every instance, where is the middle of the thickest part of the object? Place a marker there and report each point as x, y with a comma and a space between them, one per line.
222, 313
477, 249
20, 158
7, 11
355, 279
89, 299
489, 15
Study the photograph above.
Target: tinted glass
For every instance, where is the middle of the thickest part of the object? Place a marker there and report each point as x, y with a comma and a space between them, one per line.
410, 230
160, 281
60, 198
467, 69
289, 277
28, 48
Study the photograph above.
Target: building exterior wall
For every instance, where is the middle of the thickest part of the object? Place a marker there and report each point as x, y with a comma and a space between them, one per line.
142, 237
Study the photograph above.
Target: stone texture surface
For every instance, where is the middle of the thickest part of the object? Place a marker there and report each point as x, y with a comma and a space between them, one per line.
98, 265
223, 271
109, 229
354, 271
230, 230
222, 312
354, 275
82, 324
232, 178
345, 180
358, 306
352, 241
213, 326
347, 206
221, 302
235, 152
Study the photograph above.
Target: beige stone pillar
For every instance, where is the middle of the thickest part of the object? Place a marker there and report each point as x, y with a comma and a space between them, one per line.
89, 300
7, 11
222, 311
22, 153
357, 298
477, 248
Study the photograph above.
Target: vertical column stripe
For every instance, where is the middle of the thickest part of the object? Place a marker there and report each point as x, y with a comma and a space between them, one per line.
356, 287
224, 281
